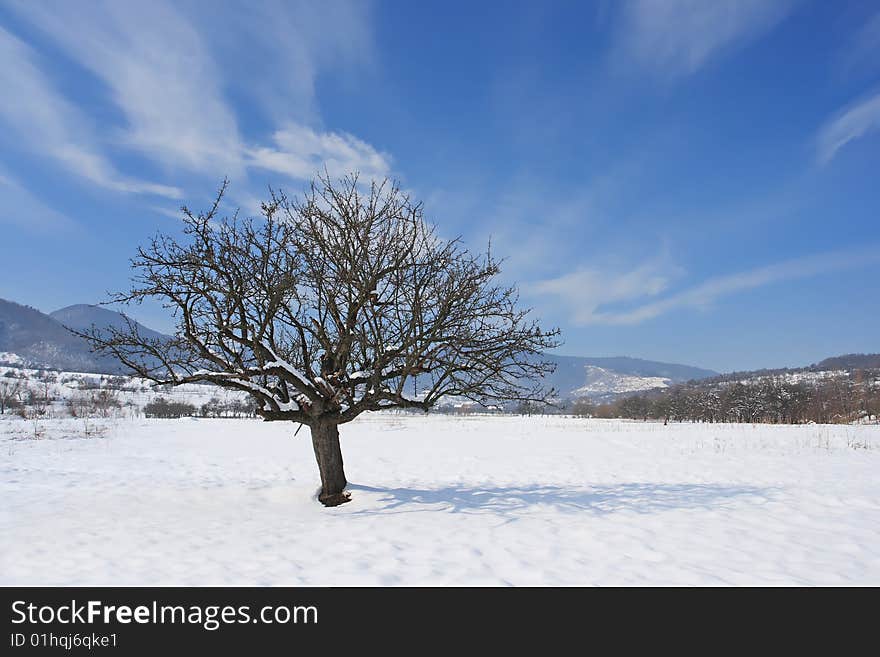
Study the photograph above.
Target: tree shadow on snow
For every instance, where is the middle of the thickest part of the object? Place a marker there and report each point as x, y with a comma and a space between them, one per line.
598, 500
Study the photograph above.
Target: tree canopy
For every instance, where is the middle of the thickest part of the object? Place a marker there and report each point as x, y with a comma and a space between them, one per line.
344, 301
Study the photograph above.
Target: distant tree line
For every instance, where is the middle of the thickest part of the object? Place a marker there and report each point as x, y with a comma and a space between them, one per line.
165, 408
230, 408
843, 399
168, 408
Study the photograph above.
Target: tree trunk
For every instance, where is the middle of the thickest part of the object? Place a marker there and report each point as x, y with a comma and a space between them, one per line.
325, 440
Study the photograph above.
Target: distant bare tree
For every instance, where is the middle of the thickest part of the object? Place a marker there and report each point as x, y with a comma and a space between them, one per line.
583, 407
104, 401
10, 393
342, 302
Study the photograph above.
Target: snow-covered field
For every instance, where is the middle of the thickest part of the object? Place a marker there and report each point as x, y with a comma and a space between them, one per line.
439, 500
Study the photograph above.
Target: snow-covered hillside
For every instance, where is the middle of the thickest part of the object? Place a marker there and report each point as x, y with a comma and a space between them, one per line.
439, 500
805, 376
602, 384
128, 394
11, 359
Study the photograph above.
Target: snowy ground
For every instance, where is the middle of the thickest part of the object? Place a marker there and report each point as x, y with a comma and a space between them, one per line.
439, 500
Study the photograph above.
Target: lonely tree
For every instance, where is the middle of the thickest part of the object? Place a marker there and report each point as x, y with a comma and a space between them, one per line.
327, 306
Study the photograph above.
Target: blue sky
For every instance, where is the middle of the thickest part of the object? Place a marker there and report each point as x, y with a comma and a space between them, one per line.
686, 180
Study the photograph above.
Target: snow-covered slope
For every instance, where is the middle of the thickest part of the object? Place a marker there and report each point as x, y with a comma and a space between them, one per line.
804, 376
573, 373
11, 359
601, 383
130, 394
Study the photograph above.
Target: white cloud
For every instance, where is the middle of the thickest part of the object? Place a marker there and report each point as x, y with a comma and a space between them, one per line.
677, 37
584, 291
96, 168
169, 80
171, 213
159, 75
289, 43
298, 151
47, 123
864, 48
853, 123
586, 304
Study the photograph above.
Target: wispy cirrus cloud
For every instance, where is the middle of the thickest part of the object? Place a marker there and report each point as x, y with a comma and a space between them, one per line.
678, 37
587, 293
584, 291
47, 123
864, 48
852, 123
289, 43
169, 76
158, 73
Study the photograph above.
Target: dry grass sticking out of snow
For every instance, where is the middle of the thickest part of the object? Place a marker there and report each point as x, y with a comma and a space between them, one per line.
439, 500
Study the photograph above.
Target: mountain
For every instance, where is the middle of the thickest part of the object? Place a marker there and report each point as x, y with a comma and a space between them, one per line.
845, 363
38, 339
601, 379
849, 362
30, 337
83, 316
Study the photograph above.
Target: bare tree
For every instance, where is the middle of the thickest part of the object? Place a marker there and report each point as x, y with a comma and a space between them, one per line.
324, 307
10, 394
